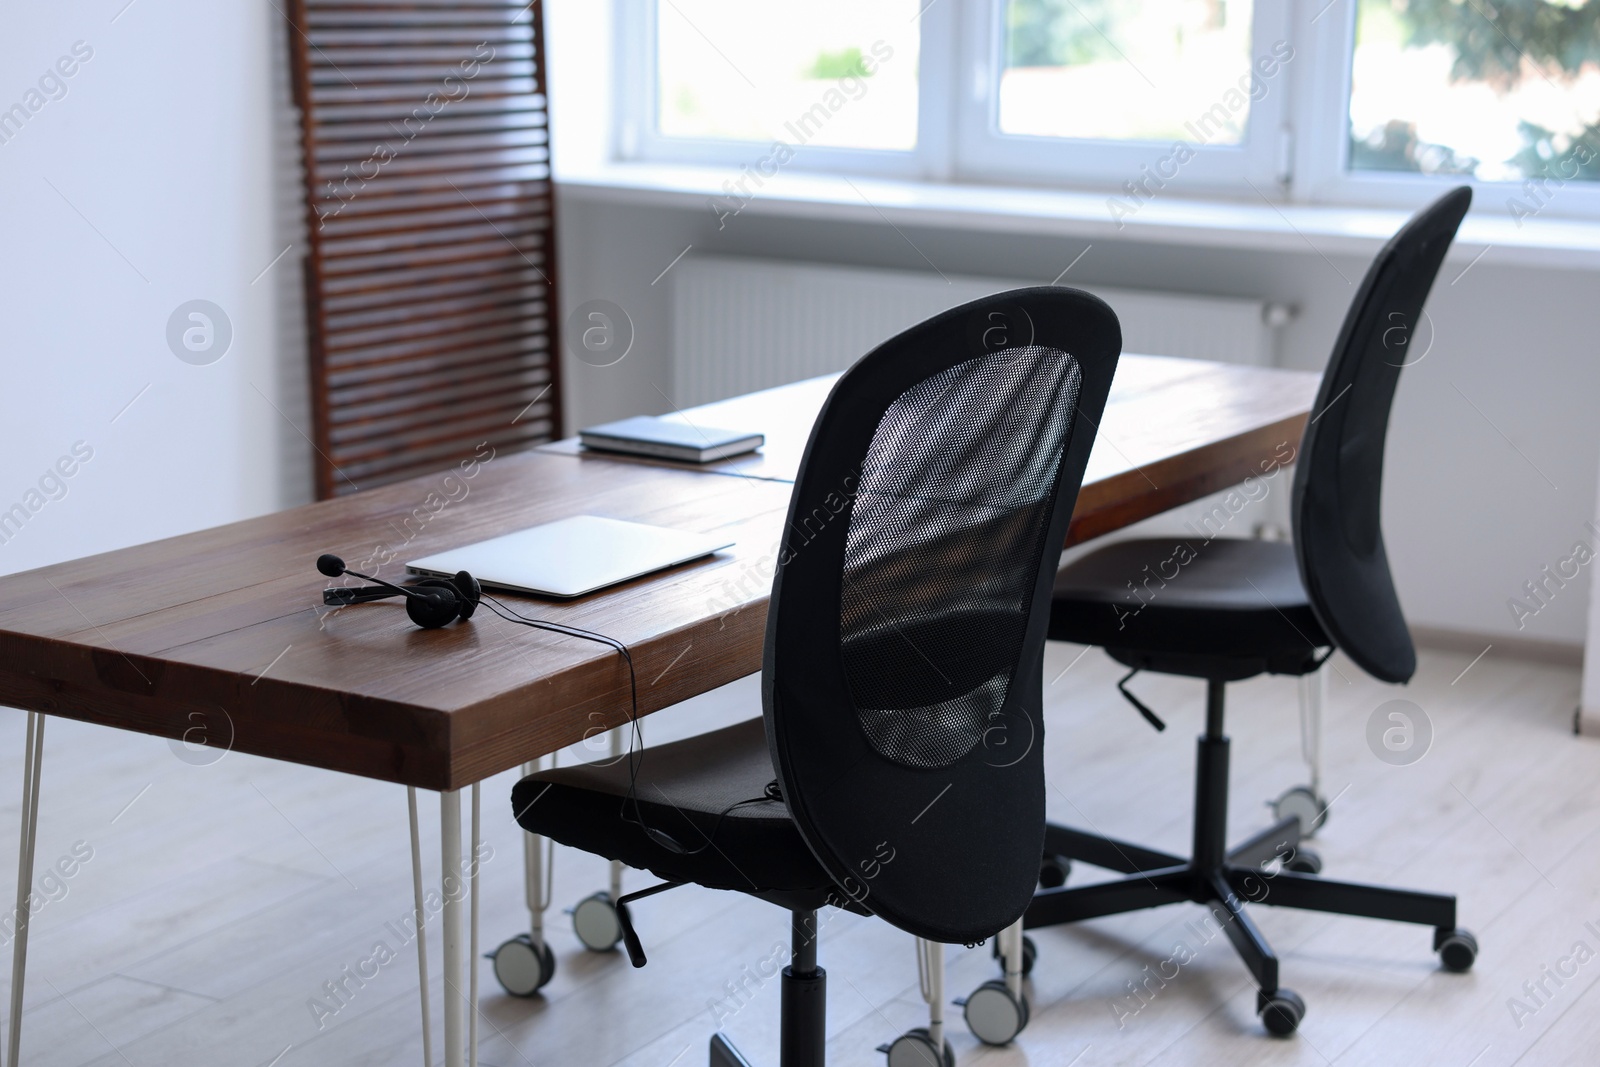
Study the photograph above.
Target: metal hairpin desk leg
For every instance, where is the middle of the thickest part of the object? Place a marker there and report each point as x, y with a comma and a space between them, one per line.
997, 1011
421, 915
460, 947
1011, 956
525, 964
1311, 736
536, 878
32, 763
933, 989
925, 1046
472, 947
1306, 802
617, 751
594, 918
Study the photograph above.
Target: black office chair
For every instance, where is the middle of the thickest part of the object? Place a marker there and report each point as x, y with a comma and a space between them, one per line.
901, 686
1225, 610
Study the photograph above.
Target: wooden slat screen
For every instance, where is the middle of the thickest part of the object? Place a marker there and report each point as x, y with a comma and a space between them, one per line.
430, 277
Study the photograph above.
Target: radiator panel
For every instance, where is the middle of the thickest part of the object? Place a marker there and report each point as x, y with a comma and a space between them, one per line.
744, 324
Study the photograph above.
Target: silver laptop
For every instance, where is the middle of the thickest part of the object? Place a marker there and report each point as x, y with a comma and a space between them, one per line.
571, 557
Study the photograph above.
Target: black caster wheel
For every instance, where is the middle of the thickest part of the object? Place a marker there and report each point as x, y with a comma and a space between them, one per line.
595, 922
1030, 952
1281, 1011
1301, 802
994, 1014
1457, 949
1304, 861
1053, 871
523, 968
914, 1048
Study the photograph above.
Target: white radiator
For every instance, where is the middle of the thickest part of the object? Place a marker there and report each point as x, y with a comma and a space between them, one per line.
745, 324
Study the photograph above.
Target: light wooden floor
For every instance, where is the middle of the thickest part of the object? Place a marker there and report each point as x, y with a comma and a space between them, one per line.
220, 899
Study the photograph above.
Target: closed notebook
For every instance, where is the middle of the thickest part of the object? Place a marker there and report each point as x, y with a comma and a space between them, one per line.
647, 435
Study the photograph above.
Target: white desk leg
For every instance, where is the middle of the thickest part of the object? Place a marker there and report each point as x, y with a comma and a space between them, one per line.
421, 916
1316, 692
931, 956
616, 865
460, 1005
450, 879
533, 873
472, 952
32, 764
1011, 957
1306, 802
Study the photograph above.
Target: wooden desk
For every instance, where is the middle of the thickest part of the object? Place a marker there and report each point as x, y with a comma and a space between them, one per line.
224, 627
222, 631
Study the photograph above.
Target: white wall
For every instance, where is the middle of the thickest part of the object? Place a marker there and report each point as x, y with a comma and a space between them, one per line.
164, 150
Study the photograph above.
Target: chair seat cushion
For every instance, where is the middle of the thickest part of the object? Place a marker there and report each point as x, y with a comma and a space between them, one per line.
1174, 604
685, 795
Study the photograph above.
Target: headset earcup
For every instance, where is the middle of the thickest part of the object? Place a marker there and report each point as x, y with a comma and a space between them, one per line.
466, 601
470, 592
433, 607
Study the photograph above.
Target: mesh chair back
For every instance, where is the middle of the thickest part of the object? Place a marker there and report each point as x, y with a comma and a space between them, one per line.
906, 630
1339, 474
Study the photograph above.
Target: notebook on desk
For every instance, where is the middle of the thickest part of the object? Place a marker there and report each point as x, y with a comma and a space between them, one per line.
571, 557
647, 435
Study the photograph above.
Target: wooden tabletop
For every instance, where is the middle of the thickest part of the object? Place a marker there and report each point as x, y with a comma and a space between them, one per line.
221, 634
1174, 430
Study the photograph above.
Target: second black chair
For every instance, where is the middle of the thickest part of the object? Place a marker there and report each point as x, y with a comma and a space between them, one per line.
1225, 610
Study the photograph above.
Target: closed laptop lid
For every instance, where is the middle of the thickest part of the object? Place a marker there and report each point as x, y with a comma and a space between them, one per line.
572, 556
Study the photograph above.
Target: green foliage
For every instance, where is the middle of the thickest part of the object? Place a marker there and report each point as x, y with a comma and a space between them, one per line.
1500, 43
685, 102
1058, 33
1546, 152
845, 63
1492, 39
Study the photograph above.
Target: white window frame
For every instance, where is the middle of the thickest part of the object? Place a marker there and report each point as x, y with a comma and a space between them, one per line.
983, 152
1296, 146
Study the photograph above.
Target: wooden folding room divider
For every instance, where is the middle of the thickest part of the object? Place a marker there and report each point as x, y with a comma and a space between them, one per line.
430, 276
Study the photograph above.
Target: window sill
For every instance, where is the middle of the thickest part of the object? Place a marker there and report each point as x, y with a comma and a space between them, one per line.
1539, 242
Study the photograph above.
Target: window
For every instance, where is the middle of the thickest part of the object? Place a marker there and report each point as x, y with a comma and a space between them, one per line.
1087, 70
1135, 96
1419, 93
836, 73
1349, 101
830, 84
1457, 89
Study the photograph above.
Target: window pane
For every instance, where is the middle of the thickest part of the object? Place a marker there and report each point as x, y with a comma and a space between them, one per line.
1438, 88
1140, 70
829, 72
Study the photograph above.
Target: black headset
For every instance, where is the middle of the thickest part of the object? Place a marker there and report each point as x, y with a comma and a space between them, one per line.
431, 603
